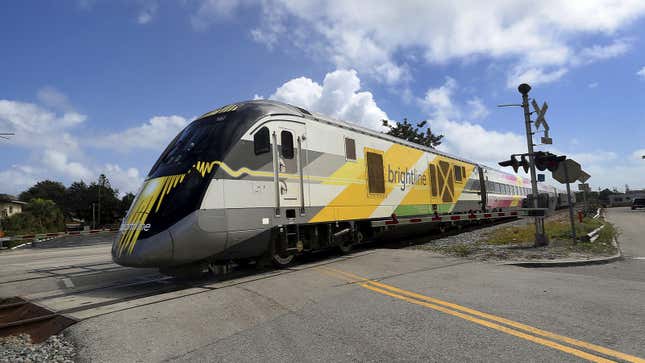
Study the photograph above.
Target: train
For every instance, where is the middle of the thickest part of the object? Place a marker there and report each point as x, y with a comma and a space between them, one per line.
267, 180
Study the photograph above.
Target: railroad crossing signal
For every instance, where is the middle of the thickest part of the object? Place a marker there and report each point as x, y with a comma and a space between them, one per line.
546, 160
523, 162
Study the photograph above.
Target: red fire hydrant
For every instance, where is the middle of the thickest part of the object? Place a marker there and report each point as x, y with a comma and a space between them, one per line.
580, 216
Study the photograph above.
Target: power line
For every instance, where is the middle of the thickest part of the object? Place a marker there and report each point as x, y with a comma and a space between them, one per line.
5, 135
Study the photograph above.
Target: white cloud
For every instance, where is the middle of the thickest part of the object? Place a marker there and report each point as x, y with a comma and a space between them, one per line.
609, 169
55, 99
534, 76
154, 134
52, 141
600, 52
638, 154
36, 127
338, 96
17, 179
210, 11
474, 142
144, 17
641, 73
373, 39
128, 180
593, 85
59, 162
477, 109
439, 100
272, 26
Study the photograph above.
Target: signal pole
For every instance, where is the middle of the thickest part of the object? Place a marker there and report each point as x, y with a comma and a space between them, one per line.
540, 237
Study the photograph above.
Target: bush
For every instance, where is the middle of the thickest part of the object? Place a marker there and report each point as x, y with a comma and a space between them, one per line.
39, 216
20, 223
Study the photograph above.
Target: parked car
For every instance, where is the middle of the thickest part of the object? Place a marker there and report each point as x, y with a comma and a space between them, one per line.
638, 203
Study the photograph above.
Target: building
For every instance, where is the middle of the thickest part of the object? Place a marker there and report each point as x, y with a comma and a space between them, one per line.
9, 206
625, 199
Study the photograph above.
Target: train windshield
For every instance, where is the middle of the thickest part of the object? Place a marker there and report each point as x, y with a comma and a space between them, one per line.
200, 141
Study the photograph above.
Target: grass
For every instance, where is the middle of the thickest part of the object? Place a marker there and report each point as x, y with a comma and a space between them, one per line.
559, 233
460, 250
11, 244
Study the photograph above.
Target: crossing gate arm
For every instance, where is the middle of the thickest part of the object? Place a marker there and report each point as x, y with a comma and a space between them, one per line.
443, 218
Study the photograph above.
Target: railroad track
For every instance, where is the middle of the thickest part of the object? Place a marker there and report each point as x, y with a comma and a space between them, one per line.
44, 314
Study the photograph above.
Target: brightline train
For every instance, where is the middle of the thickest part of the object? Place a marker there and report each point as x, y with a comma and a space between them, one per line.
266, 179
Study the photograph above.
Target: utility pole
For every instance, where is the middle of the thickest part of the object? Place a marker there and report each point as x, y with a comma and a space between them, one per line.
540, 237
570, 204
99, 214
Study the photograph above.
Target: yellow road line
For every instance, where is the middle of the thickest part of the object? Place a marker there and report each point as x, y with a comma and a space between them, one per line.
488, 324
527, 328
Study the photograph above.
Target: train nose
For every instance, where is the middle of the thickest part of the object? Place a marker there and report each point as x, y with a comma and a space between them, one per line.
152, 251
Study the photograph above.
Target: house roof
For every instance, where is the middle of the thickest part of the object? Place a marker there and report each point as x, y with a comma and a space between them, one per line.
7, 198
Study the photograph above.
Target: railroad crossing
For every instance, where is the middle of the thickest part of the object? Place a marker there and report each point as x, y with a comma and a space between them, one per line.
375, 304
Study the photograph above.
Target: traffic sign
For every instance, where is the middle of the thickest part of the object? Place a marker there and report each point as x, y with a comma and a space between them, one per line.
567, 172
584, 187
583, 177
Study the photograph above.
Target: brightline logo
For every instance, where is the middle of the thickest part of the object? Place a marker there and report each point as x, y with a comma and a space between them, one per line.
135, 226
405, 177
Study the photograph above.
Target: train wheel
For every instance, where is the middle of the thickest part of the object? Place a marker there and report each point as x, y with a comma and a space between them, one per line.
347, 246
279, 259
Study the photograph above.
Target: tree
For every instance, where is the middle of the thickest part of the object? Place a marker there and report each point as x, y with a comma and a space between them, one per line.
79, 200
126, 202
46, 189
49, 218
405, 130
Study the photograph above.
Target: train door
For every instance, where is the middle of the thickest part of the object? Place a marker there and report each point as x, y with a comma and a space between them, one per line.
290, 158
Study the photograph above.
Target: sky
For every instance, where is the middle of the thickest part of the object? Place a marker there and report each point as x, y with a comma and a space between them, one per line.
98, 86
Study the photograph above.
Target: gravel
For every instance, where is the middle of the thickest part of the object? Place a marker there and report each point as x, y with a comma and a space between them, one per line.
472, 245
18, 348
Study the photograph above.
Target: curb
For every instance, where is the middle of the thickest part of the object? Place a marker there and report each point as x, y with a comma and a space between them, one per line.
566, 263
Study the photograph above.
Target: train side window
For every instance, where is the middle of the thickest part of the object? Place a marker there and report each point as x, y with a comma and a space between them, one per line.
475, 185
375, 176
261, 142
433, 179
457, 170
350, 149
463, 172
286, 140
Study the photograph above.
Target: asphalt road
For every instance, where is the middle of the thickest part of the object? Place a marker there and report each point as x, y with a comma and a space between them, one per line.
71, 262
390, 305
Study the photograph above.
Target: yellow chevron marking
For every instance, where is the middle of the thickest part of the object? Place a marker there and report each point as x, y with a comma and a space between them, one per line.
153, 192
228, 108
355, 201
